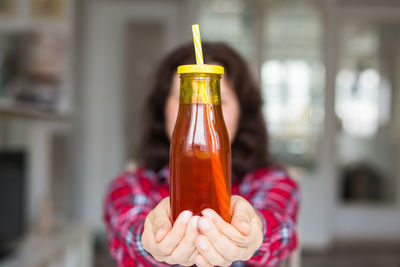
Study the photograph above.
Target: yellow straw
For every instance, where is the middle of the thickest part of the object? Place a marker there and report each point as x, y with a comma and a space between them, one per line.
197, 43
199, 59
219, 177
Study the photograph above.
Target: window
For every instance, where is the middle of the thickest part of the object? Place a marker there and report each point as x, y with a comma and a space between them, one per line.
362, 95
292, 76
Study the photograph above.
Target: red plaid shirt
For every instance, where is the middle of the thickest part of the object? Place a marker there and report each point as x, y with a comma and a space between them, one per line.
133, 195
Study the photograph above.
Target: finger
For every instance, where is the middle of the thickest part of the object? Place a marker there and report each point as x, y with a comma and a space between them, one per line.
162, 231
256, 234
150, 244
252, 242
159, 218
190, 261
247, 244
193, 256
175, 235
209, 253
222, 244
201, 261
225, 228
242, 214
185, 249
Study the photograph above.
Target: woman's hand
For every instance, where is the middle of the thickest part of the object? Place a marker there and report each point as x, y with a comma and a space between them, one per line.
221, 243
167, 243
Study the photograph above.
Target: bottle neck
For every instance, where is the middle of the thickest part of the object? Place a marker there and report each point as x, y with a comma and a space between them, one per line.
200, 88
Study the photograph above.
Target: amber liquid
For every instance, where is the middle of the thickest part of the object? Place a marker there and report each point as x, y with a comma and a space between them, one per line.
200, 161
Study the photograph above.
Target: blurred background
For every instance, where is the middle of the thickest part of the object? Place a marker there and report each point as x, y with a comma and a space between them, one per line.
74, 76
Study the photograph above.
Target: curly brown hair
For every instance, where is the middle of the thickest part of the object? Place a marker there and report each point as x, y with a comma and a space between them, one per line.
250, 145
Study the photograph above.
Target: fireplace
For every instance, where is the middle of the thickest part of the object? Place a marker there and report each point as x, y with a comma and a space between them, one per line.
12, 197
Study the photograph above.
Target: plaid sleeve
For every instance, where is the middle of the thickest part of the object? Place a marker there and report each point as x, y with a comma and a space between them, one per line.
276, 198
129, 199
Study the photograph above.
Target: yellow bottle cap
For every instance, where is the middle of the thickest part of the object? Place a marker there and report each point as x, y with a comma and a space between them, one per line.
201, 68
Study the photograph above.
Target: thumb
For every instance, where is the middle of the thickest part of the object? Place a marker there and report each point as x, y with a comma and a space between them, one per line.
241, 216
161, 230
160, 220
241, 223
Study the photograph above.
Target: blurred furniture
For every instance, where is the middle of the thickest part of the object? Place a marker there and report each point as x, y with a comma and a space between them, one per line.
51, 239
8, 108
69, 246
43, 133
361, 181
365, 48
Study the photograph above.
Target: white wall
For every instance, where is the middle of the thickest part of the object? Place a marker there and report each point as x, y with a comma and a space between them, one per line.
103, 146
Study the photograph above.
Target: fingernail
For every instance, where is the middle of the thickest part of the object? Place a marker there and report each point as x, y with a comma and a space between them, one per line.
160, 234
207, 213
203, 224
202, 244
186, 216
195, 221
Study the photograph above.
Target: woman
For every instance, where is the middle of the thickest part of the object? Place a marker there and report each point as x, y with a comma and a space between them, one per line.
264, 199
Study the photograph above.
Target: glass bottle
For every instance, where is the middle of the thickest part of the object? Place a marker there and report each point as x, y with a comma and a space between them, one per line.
200, 152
